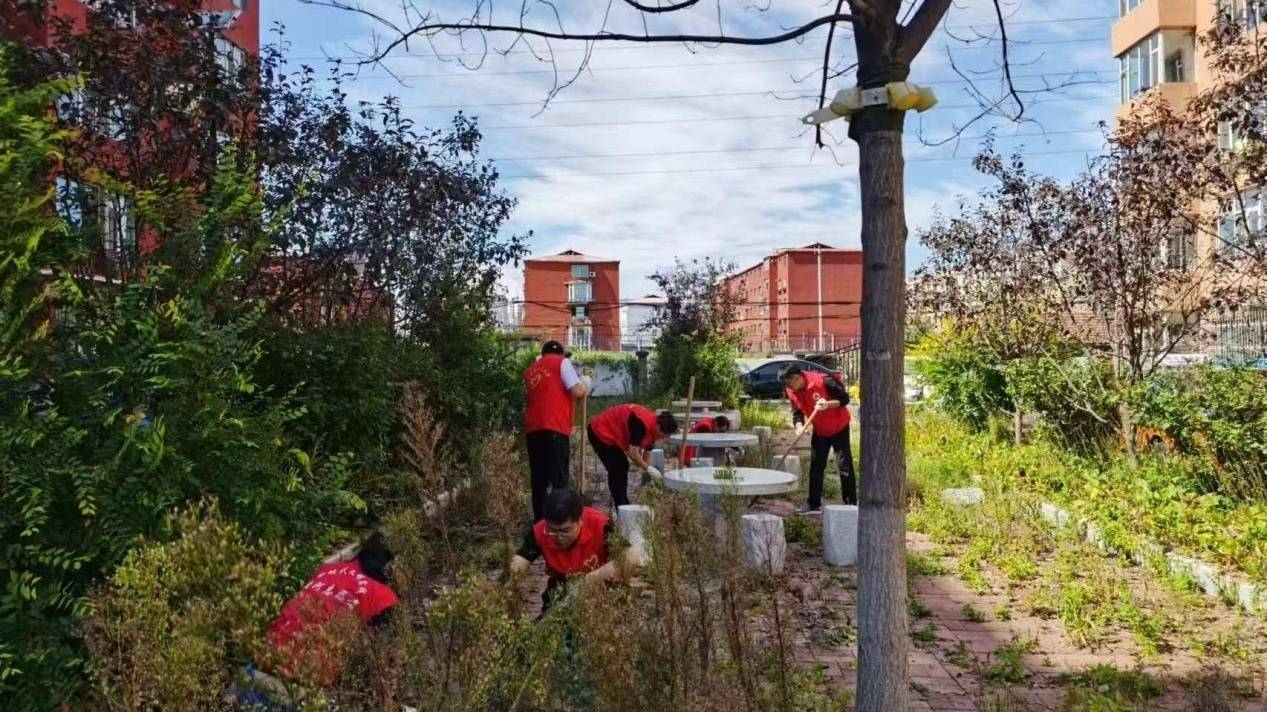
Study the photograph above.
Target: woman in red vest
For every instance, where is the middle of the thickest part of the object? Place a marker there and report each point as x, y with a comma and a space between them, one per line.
623, 433
574, 540
551, 386
812, 392
716, 424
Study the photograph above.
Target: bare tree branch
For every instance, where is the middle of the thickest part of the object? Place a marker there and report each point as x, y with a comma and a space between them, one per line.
430, 29
916, 33
655, 9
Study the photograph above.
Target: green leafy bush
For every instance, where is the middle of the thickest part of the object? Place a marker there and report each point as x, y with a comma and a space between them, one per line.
1074, 398
178, 616
678, 358
963, 382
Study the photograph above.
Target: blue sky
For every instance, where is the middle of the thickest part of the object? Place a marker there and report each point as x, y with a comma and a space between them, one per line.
657, 152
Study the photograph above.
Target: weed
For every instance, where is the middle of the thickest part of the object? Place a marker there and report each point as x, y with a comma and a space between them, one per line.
1018, 566
970, 572
1106, 688
972, 614
960, 656
927, 634
918, 564
916, 687
917, 609
1003, 612
1008, 666
803, 530
832, 637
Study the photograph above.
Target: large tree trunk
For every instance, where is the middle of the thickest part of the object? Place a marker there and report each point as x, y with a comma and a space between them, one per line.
882, 634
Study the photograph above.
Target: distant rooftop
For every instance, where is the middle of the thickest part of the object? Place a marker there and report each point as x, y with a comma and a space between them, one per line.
570, 256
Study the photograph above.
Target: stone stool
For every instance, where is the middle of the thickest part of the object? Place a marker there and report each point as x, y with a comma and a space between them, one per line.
657, 459
634, 519
764, 545
763, 433
792, 465
963, 496
840, 534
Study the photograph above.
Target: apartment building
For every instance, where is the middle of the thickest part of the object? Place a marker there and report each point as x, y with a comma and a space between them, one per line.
1159, 53
799, 299
574, 299
636, 318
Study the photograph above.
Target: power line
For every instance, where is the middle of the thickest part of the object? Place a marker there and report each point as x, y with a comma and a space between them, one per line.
796, 147
757, 117
770, 92
768, 167
473, 72
635, 46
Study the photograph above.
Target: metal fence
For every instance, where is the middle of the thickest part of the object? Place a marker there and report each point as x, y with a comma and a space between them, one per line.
1242, 337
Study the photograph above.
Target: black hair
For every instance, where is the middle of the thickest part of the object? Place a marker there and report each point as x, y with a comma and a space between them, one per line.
666, 422
562, 506
551, 347
790, 371
374, 557
722, 422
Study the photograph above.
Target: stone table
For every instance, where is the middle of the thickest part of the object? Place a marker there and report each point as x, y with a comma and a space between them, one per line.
748, 481
698, 405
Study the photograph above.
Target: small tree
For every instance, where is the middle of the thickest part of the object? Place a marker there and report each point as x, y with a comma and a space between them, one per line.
693, 341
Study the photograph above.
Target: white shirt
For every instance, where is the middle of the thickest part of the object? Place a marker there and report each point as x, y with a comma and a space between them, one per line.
568, 373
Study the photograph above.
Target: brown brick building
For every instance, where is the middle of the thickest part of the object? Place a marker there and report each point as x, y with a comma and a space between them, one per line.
573, 298
800, 299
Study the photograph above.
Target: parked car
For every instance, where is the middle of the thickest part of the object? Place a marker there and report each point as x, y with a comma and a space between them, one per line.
760, 376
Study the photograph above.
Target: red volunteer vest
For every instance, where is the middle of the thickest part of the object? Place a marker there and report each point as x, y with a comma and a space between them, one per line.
549, 404
828, 422
335, 589
612, 426
587, 553
705, 425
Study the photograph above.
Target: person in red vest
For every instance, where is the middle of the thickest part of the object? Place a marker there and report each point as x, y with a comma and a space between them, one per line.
355, 589
552, 386
623, 433
812, 392
715, 424
575, 541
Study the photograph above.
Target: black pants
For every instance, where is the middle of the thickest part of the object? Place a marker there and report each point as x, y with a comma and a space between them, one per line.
548, 454
616, 462
818, 466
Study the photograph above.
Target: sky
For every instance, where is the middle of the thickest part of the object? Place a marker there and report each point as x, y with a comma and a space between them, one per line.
664, 152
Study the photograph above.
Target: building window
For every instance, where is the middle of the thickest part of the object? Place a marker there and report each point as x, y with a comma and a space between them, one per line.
118, 231
578, 312
230, 58
1247, 14
1240, 220
1176, 71
580, 293
1139, 67
580, 271
1125, 6
580, 337
1179, 250
1235, 135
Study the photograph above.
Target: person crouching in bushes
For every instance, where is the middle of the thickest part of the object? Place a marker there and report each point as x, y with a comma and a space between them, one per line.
623, 433
575, 541
318, 625
714, 424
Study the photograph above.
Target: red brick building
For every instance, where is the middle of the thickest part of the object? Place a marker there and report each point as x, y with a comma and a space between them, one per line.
573, 298
800, 299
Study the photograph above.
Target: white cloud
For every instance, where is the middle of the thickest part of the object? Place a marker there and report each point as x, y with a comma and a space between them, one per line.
701, 193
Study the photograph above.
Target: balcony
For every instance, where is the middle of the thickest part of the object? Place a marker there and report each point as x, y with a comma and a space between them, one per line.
1150, 16
1161, 64
580, 293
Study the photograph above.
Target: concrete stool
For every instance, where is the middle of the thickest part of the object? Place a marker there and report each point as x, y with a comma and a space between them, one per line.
792, 465
657, 459
764, 544
840, 534
634, 519
963, 496
763, 433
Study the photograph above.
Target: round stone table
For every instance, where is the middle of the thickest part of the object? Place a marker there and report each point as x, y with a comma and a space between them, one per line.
748, 481
698, 405
717, 441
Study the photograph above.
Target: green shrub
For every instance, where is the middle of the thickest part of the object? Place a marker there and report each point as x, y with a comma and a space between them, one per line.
679, 357
177, 617
962, 382
1074, 399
